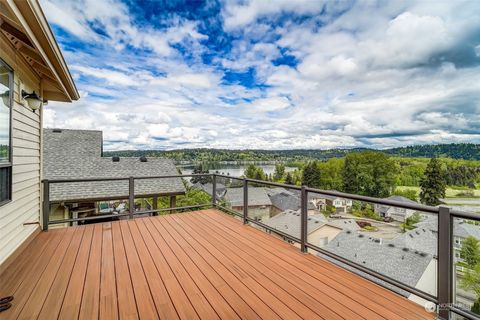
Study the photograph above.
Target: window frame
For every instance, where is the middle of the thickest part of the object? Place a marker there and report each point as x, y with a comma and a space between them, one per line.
9, 163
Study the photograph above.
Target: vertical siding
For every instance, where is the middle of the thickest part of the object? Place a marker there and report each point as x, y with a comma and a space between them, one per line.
26, 143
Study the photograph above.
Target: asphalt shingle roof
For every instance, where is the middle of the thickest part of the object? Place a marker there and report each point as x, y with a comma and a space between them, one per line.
76, 154
460, 228
420, 239
406, 266
289, 222
257, 196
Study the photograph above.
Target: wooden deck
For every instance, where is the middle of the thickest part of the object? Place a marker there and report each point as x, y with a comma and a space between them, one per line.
197, 265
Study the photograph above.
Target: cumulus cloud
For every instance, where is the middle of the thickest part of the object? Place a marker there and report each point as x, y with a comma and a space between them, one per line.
283, 74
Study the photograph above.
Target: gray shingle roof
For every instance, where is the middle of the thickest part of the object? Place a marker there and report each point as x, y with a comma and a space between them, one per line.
76, 154
401, 199
460, 228
285, 201
257, 196
421, 239
208, 188
289, 222
344, 224
404, 266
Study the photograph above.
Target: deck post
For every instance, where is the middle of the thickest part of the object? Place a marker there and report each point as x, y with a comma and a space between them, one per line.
131, 196
245, 201
445, 262
46, 205
173, 203
214, 190
155, 205
303, 216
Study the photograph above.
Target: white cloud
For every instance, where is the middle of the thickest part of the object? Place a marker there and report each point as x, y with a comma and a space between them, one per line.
373, 74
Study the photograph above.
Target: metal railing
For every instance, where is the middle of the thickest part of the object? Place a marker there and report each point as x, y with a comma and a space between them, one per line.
444, 298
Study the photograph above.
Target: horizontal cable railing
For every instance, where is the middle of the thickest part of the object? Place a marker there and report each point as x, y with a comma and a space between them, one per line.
444, 297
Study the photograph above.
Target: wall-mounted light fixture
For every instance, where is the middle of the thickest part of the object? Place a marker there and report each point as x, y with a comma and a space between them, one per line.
5, 98
33, 99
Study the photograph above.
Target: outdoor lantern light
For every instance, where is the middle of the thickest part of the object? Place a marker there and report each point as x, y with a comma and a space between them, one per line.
33, 100
6, 98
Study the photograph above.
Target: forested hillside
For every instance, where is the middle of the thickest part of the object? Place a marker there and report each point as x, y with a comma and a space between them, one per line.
455, 151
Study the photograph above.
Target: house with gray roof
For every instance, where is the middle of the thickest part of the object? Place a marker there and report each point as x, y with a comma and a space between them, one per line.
320, 230
259, 203
414, 268
419, 239
77, 154
208, 188
283, 200
396, 213
461, 230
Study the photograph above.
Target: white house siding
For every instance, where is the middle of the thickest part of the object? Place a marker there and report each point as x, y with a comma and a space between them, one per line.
427, 283
26, 143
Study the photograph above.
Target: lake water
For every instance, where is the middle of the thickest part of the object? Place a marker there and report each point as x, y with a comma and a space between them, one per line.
234, 170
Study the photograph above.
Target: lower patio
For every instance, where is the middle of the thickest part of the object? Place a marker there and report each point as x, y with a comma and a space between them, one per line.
197, 265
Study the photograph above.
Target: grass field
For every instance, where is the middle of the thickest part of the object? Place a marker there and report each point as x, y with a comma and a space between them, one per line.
450, 193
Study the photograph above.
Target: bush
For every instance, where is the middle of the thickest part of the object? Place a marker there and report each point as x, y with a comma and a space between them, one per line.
329, 210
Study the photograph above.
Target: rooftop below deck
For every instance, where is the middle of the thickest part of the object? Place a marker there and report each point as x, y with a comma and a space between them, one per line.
203, 264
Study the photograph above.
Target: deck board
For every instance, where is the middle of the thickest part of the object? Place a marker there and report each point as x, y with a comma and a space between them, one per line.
197, 265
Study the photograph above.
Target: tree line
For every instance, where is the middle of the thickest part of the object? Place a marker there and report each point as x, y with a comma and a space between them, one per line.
373, 174
465, 151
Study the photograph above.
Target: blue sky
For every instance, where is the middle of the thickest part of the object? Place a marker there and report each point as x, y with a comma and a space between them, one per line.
277, 74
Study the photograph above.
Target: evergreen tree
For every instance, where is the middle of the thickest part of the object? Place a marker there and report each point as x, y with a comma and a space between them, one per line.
251, 171
203, 179
279, 172
433, 184
470, 251
311, 175
289, 179
254, 172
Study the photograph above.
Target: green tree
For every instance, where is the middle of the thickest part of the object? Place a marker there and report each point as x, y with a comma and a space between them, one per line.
202, 179
250, 171
407, 193
433, 184
254, 172
470, 251
192, 197
410, 222
279, 172
311, 175
331, 174
369, 173
289, 179
471, 282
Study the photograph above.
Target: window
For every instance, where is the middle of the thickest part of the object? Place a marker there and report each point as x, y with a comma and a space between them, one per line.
6, 93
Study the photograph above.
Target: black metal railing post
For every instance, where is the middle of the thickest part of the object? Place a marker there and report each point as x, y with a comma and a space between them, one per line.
131, 196
303, 216
445, 262
245, 201
46, 205
214, 190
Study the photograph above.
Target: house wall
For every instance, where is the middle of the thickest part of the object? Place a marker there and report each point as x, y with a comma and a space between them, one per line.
26, 152
326, 231
427, 283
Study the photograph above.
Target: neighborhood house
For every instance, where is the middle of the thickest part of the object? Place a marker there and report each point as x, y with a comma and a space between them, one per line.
77, 154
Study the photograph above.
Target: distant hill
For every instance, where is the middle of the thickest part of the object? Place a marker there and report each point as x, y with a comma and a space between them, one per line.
467, 151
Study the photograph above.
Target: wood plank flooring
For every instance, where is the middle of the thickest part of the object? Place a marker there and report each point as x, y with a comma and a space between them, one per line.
197, 265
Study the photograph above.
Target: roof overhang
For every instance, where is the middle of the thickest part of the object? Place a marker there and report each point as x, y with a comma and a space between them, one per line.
24, 25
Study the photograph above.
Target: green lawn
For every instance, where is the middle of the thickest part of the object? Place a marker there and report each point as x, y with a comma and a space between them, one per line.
450, 193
